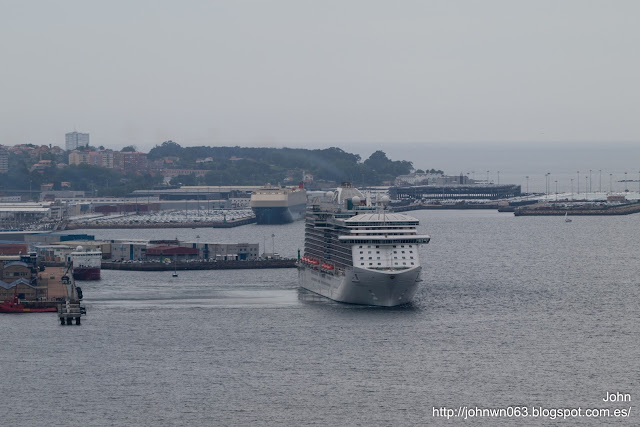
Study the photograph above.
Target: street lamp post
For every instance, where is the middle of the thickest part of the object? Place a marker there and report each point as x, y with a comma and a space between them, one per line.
572, 188
586, 185
610, 183
527, 184
578, 183
547, 187
556, 181
600, 181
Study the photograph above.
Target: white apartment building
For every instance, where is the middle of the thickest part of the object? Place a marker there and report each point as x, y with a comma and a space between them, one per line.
73, 140
4, 160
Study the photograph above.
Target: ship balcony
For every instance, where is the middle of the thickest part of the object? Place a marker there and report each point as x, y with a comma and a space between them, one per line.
359, 240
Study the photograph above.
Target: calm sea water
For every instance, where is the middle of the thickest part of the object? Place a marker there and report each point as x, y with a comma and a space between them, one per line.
513, 311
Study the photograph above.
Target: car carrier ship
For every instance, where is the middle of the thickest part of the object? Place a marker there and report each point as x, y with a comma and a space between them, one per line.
358, 253
277, 205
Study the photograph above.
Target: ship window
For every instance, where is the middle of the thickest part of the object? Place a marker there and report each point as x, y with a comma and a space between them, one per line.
360, 248
410, 252
370, 264
394, 246
369, 257
360, 251
402, 246
377, 246
402, 251
369, 252
403, 258
410, 246
404, 263
378, 257
362, 263
395, 257
361, 257
377, 252
411, 263
410, 257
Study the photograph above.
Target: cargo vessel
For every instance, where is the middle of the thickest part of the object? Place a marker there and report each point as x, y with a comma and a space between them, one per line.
358, 253
86, 264
278, 205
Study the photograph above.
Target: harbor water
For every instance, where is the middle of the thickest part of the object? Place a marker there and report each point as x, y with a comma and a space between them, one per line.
513, 311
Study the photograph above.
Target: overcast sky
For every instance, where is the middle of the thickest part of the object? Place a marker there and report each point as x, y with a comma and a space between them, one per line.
319, 73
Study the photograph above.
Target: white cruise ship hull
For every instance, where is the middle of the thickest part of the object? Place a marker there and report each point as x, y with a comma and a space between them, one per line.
361, 286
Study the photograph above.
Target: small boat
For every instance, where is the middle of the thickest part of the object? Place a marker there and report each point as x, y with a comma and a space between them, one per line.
566, 218
13, 305
175, 268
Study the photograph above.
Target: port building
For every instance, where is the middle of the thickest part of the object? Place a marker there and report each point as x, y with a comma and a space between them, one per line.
455, 191
16, 274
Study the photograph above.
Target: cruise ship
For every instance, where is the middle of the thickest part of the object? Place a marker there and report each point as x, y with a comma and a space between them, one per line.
358, 253
86, 264
276, 205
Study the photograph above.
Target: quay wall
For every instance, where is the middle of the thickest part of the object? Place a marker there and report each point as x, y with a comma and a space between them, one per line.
215, 265
227, 224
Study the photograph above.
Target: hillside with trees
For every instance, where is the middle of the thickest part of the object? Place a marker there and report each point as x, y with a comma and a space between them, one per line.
256, 165
93, 180
216, 166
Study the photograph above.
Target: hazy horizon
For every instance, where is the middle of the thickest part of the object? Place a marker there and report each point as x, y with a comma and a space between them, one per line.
295, 72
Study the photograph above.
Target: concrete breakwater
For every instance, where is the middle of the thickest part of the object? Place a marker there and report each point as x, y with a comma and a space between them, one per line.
591, 210
214, 265
189, 224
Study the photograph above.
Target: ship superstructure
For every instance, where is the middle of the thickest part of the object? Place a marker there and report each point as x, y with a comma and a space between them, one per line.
86, 264
278, 205
358, 253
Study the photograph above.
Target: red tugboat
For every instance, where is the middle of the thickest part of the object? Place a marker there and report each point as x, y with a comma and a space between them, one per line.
12, 305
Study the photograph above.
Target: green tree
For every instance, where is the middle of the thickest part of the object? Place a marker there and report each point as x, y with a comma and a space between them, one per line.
166, 149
